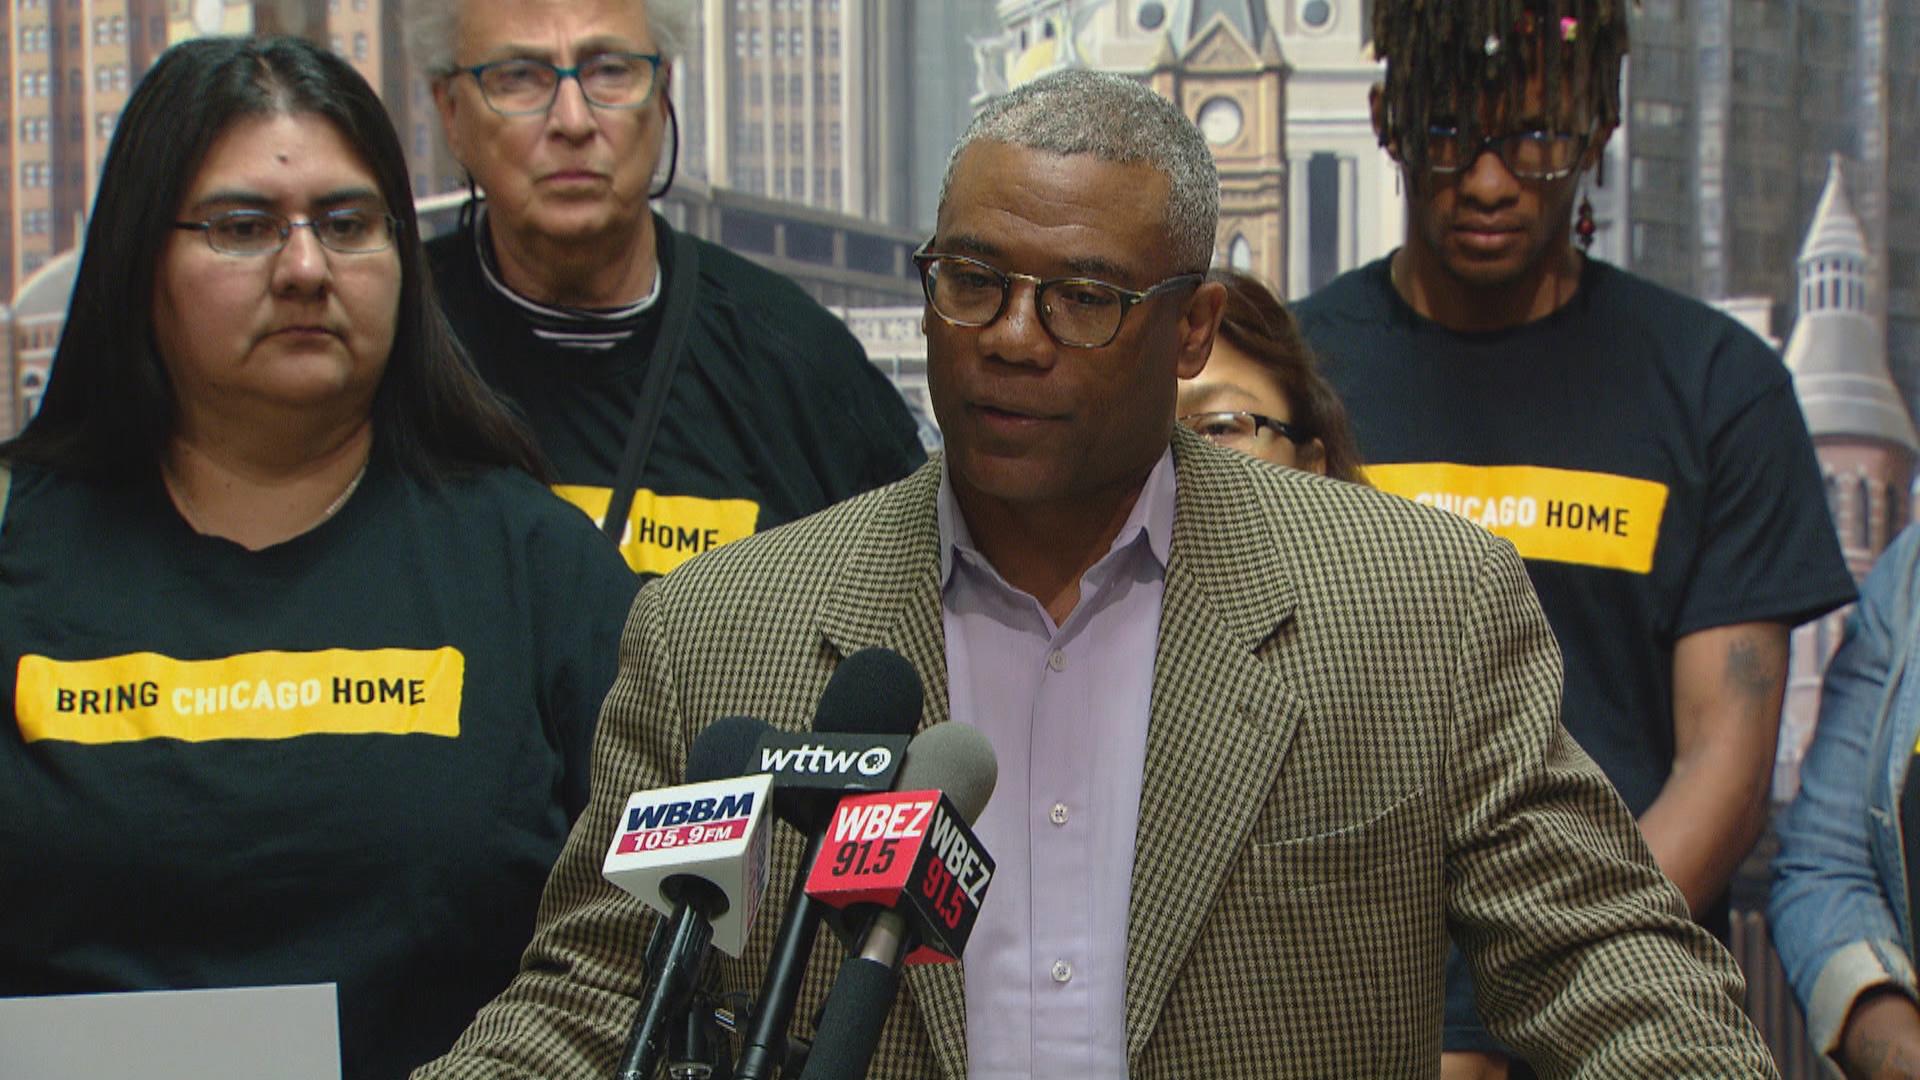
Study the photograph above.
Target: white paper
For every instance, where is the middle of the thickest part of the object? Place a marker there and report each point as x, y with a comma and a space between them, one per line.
256, 1033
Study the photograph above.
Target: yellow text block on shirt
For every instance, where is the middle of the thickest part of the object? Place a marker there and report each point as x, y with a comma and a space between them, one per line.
1553, 515
664, 531
261, 695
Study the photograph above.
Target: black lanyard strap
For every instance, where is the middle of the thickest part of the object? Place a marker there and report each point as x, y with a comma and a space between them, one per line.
680, 288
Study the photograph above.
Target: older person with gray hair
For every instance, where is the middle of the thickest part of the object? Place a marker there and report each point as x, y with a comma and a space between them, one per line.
684, 396
1264, 739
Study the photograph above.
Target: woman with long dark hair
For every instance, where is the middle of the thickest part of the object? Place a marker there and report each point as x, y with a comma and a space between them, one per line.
303, 662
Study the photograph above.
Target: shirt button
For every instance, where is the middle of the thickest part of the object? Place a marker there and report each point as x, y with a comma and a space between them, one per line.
1059, 814
1062, 971
1057, 661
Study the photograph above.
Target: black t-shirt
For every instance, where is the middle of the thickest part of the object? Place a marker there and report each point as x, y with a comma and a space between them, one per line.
351, 757
774, 411
1644, 452
1910, 842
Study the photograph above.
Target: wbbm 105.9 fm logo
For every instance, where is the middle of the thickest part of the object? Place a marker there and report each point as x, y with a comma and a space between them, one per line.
687, 822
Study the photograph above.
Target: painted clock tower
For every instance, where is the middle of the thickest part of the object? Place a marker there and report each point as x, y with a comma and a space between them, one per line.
1225, 70
1279, 90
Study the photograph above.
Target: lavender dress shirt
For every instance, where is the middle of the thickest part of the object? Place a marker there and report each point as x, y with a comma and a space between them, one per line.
1066, 710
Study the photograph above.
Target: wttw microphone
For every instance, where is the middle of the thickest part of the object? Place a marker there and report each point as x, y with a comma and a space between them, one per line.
876, 695
912, 854
696, 853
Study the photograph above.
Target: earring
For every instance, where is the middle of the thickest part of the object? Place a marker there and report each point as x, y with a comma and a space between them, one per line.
673, 159
1584, 227
467, 213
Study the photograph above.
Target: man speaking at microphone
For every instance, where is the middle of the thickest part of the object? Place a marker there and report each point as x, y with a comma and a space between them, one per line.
1265, 741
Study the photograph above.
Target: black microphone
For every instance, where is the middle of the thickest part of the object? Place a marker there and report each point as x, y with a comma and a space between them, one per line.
923, 869
696, 852
874, 692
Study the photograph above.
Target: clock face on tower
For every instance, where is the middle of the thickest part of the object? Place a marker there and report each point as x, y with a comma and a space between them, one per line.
1220, 120
207, 15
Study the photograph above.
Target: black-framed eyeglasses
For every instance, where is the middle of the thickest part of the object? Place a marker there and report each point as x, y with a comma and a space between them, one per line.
349, 231
523, 86
1078, 312
1241, 429
1529, 155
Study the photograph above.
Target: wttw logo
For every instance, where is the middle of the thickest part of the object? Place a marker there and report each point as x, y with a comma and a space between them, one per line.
819, 759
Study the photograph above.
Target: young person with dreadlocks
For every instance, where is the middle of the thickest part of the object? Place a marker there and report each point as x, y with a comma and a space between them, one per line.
1644, 453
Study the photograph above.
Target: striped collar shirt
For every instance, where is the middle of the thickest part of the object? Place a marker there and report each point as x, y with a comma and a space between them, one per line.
585, 329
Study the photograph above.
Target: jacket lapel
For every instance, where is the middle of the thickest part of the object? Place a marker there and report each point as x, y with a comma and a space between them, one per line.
888, 594
1218, 723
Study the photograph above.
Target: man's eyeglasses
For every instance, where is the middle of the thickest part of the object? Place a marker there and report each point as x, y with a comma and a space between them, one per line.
1529, 155
349, 231
1078, 312
1240, 430
523, 86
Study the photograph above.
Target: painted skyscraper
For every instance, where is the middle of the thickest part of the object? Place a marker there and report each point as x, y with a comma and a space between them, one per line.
1734, 109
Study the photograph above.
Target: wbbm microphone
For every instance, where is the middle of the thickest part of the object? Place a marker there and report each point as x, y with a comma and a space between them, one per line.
696, 853
912, 854
871, 704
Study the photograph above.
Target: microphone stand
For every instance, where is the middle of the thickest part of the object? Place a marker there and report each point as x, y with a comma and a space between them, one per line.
667, 1001
697, 1047
766, 1039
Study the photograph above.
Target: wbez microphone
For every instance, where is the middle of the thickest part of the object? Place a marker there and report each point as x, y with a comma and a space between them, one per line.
696, 853
861, 729
909, 862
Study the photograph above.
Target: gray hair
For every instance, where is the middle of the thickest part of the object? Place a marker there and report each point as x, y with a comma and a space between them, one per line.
431, 27
1117, 119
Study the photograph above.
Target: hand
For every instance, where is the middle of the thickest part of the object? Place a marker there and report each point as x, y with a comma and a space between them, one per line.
1460, 1065
1881, 1039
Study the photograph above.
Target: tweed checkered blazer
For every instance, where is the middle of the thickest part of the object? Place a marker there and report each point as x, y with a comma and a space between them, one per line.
1353, 750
